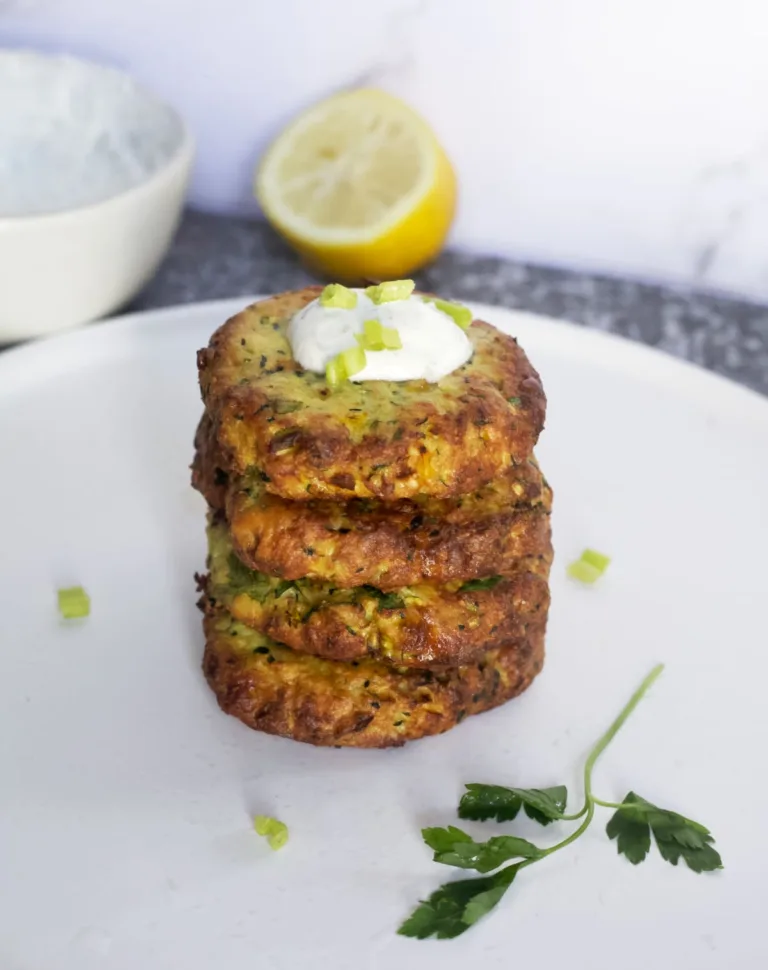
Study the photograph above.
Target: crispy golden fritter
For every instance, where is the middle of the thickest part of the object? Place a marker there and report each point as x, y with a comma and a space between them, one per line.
386, 545
424, 625
209, 476
364, 704
377, 439
355, 545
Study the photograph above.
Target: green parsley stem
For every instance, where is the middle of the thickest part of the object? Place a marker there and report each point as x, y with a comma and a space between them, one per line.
602, 804
589, 809
457, 906
572, 818
617, 725
589, 799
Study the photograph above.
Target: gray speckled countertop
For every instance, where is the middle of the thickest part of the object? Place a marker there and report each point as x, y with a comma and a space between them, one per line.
215, 257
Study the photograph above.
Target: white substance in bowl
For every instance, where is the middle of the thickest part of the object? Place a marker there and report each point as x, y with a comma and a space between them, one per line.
93, 176
74, 133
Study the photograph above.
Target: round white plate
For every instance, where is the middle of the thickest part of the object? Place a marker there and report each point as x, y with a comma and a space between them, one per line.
126, 796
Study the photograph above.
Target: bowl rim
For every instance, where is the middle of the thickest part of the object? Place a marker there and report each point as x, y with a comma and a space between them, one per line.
181, 156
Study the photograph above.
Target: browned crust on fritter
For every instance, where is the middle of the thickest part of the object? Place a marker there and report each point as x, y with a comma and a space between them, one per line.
362, 705
423, 625
520, 485
386, 545
446, 629
378, 439
209, 475
413, 637
389, 552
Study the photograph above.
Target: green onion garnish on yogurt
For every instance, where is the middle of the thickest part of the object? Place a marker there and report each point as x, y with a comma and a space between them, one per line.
461, 315
375, 336
336, 295
344, 365
391, 291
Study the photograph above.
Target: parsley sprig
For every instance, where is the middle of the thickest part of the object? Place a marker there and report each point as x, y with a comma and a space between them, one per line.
456, 906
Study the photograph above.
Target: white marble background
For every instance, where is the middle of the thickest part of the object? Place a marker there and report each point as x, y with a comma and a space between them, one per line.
621, 135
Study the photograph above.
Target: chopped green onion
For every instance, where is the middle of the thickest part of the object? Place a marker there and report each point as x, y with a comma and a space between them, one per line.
391, 338
336, 295
388, 292
275, 831
461, 315
74, 603
344, 365
373, 335
583, 572
589, 567
378, 337
334, 372
596, 559
352, 361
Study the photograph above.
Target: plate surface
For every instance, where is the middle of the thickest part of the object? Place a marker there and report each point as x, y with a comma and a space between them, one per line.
126, 796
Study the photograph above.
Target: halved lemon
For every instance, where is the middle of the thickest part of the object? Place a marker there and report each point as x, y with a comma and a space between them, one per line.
360, 187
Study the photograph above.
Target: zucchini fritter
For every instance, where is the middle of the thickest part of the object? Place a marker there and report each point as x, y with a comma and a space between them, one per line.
363, 704
209, 476
423, 625
353, 545
380, 439
365, 541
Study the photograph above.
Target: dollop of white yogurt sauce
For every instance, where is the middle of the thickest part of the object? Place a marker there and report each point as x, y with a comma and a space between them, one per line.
433, 344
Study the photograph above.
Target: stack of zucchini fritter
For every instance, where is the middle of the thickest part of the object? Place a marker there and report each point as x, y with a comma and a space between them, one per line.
379, 552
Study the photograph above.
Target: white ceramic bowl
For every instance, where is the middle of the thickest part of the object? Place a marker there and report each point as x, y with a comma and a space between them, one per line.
72, 265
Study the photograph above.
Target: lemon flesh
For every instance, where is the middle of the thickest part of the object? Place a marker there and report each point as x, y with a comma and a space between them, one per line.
360, 186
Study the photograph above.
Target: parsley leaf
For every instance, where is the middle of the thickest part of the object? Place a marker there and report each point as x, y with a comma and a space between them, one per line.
633, 837
444, 839
543, 805
456, 906
455, 848
677, 837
